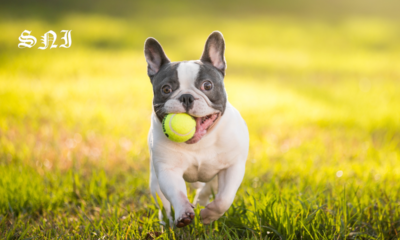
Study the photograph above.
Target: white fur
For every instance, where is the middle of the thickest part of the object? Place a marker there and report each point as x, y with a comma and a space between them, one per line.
187, 74
221, 152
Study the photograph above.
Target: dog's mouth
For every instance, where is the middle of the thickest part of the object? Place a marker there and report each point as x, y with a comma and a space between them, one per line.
203, 124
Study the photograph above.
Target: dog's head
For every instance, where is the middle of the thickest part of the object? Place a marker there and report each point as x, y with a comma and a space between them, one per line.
193, 87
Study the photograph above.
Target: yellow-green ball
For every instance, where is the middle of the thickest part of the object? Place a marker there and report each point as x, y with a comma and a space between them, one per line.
179, 127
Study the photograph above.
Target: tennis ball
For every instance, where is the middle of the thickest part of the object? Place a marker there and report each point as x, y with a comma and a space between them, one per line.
179, 127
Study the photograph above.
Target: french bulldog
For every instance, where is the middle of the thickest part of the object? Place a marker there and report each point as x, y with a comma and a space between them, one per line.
214, 159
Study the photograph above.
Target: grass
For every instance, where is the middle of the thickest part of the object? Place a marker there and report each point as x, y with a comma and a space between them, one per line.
321, 100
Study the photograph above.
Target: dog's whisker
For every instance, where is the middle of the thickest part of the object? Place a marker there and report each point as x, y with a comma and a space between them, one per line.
158, 110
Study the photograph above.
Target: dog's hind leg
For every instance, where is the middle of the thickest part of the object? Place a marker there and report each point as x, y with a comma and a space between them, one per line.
204, 191
155, 190
199, 186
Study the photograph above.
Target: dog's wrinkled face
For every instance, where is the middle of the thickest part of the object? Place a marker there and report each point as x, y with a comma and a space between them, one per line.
193, 87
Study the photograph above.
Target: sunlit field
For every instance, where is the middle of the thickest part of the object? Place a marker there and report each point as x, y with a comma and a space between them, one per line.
321, 100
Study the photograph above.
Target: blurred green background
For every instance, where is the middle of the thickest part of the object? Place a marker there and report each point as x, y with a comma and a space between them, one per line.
318, 83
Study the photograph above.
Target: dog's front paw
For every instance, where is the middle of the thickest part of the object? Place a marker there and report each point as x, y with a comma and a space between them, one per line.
206, 216
213, 211
186, 217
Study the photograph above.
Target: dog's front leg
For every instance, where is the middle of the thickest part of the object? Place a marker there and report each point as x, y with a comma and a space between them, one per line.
229, 181
174, 188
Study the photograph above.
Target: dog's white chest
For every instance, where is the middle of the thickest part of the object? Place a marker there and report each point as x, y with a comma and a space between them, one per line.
204, 166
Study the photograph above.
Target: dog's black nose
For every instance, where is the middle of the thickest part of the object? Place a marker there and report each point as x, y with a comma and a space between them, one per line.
187, 101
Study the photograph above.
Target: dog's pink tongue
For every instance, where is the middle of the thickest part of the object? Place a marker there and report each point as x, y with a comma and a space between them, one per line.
202, 124
201, 130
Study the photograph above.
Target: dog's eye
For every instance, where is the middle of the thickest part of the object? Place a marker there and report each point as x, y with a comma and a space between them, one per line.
166, 89
207, 86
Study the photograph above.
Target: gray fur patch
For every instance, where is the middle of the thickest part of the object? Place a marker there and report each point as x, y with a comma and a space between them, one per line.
217, 94
166, 75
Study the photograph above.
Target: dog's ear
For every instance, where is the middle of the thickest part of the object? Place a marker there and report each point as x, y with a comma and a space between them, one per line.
214, 51
155, 56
